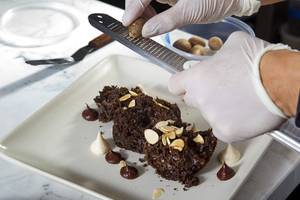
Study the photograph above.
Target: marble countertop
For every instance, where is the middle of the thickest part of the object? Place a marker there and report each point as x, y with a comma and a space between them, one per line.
24, 89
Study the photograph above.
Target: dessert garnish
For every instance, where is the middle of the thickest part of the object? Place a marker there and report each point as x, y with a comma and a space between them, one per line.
100, 146
157, 192
225, 172
89, 114
113, 157
230, 155
151, 136
128, 172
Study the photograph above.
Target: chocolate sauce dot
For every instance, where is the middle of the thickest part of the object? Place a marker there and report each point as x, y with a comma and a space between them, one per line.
225, 172
129, 172
89, 114
113, 157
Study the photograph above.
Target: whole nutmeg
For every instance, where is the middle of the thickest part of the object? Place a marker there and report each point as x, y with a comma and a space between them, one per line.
198, 50
197, 41
183, 45
135, 29
215, 43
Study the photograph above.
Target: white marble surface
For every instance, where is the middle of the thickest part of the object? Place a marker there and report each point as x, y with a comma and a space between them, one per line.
24, 89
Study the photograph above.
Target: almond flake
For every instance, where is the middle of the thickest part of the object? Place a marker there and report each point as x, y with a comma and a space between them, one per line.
179, 131
199, 139
164, 140
151, 136
177, 144
168, 141
167, 129
157, 193
161, 124
171, 135
125, 97
122, 163
131, 103
134, 94
161, 105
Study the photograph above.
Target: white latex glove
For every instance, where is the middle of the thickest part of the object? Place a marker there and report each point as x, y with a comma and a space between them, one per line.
185, 12
227, 89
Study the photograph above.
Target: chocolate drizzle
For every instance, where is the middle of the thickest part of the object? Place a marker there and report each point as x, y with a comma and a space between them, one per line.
225, 172
129, 172
89, 114
113, 157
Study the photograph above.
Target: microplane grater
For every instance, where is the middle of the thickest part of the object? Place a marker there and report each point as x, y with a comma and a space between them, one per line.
288, 134
146, 47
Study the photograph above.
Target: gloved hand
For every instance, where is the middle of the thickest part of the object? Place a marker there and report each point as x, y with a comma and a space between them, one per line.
185, 12
227, 89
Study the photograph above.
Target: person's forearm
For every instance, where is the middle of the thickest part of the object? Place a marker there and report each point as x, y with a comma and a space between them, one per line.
268, 2
280, 74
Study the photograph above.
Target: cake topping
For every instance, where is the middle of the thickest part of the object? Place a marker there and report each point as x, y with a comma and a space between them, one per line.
122, 163
125, 97
113, 157
198, 139
179, 131
177, 144
129, 172
89, 114
132, 93
151, 136
131, 103
160, 124
230, 155
100, 146
161, 105
225, 172
157, 192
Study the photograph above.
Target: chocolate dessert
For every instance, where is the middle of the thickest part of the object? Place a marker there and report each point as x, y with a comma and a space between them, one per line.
130, 123
113, 98
179, 153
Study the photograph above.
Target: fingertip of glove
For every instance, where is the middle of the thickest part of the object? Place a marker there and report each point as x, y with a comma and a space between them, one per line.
175, 85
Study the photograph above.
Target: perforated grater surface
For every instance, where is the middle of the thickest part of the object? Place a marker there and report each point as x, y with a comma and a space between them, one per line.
146, 47
288, 134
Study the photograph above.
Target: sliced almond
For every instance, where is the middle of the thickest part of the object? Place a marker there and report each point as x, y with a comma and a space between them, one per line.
157, 193
177, 144
151, 136
134, 94
131, 104
171, 135
178, 148
161, 105
164, 140
179, 132
168, 141
124, 108
122, 163
125, 97
161, 124
199, 139
167, 129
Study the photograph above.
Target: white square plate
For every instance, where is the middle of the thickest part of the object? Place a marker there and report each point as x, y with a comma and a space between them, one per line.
55, 140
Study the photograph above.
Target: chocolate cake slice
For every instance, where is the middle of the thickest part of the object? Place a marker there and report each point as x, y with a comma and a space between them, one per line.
130, 123
108, 101
179, 153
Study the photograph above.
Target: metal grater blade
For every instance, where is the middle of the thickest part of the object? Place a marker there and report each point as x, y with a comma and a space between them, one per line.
146, 47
